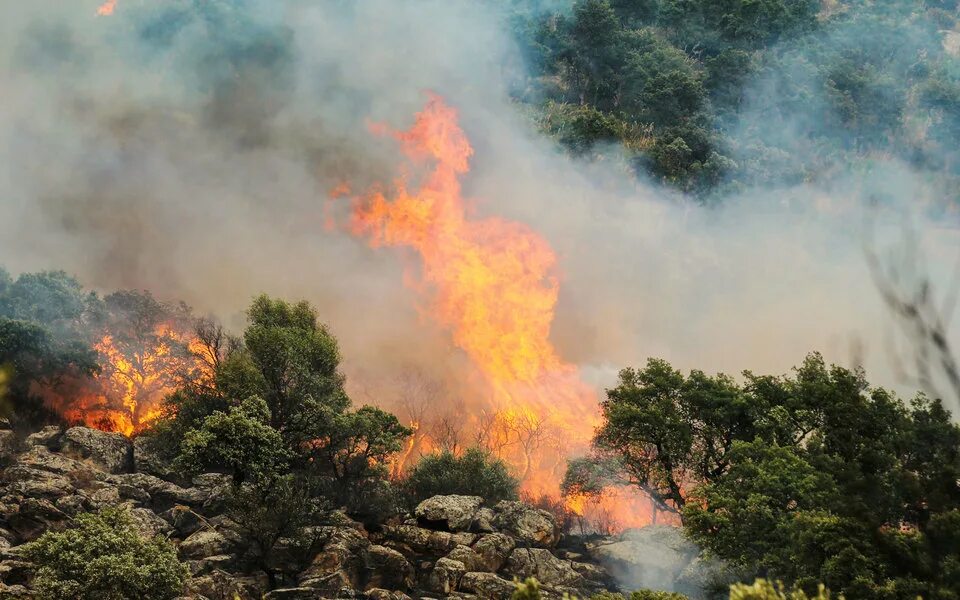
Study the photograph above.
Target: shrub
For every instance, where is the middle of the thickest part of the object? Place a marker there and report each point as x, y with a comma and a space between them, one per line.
476, 473
762, 589
101, 556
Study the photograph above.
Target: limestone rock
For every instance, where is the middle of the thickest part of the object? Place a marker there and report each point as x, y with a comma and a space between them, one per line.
8, 444
547, 568
387, 568
437, 543
470, 559
445, 576
147, 459
486, 586
112, 452
183, 520
483, 520
450, 513
493, 550
529, 525
203, 544
48, 437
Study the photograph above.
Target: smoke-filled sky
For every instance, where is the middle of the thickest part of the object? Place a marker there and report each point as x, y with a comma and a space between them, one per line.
189, 148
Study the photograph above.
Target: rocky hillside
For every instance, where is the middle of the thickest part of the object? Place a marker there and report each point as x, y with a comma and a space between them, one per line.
452, 546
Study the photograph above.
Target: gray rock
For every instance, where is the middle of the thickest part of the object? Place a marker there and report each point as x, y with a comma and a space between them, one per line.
483, 520
163, 494
422, 540
203, 544
529, 525
147, 459
183, 520
42, 459
112, 452
381, 594
220, 585
542, 564
337, 565
72, 504
470, 559
451, 513
48, 437
149, 524
299, 593
493, 550
445, 576
486, 585
8, 444
387, 568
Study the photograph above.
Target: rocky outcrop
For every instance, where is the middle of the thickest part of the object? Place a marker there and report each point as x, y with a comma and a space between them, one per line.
529, 525
111, 452
453, 513
451, 546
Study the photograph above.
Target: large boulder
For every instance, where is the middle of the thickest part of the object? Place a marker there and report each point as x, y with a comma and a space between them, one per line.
470, 559
148, 459
387, 569
112, 452
445, 576
426, 541
9, 444
48, 437
163, 494
486, 586
531, 526
338, 564
204, 543
542, 564
493, 550
650, 557
451, 513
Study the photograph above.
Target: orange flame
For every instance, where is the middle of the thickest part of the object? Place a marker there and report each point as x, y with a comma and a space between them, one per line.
106, 9
493, 284
127, 396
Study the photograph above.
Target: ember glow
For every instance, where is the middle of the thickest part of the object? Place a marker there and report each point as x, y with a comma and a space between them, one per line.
106, 9
128, 394
493, 284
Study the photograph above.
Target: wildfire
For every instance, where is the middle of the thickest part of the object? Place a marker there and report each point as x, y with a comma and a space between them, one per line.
106, 9
128, 394
493, 284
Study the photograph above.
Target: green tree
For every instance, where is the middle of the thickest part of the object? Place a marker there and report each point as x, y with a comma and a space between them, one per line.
475, 473
102, 557
239, 442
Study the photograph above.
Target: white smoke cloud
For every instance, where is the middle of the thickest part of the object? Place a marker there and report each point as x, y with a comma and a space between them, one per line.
188, 148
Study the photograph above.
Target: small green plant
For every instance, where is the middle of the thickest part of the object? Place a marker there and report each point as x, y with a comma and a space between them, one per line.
761, 589
475, 473
101, 556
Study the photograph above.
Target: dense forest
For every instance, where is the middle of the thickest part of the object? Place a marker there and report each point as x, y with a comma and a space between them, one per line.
718, 97
147, 451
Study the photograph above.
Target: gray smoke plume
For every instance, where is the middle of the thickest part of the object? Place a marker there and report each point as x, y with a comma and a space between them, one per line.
189, 148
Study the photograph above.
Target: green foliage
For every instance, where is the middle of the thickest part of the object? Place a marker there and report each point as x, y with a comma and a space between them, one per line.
44, 339
529, 589
277, 408
271, 509
239, 442
762, 589
811, 478
102, 557
475, 473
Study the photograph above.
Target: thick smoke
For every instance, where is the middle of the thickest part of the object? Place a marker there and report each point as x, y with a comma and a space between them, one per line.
189, 148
